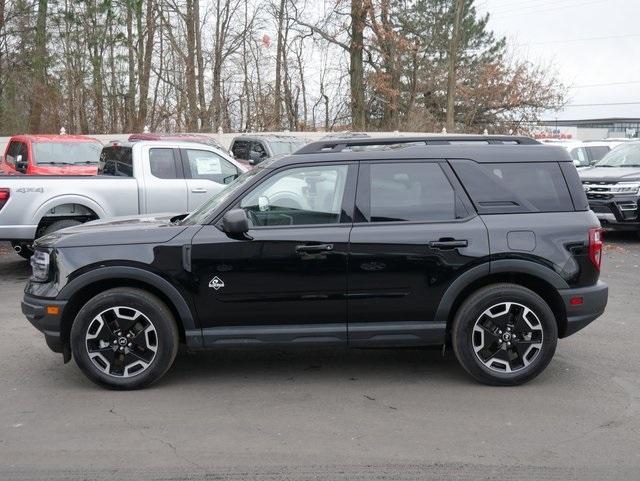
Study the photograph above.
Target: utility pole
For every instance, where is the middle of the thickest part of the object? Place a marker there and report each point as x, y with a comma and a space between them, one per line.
454, 45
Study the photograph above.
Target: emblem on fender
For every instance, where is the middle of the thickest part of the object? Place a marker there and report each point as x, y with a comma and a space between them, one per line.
216, 283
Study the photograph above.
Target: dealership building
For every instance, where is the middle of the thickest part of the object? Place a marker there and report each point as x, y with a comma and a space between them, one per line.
593, 129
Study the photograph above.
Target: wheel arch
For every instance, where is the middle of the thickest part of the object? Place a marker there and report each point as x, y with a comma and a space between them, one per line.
63, 201
535, 277
87, 285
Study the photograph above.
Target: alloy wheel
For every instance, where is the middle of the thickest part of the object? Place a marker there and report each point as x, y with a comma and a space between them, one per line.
121, 342
507, 337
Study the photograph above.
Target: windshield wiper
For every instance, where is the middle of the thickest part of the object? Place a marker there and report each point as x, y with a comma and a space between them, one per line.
54, 163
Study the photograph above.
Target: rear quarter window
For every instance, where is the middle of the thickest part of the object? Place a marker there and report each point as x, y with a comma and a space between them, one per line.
497, 188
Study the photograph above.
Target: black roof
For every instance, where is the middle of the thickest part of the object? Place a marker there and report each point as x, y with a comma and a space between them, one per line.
483, 149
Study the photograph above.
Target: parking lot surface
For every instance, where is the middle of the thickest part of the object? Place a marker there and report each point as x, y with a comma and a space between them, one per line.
327, 413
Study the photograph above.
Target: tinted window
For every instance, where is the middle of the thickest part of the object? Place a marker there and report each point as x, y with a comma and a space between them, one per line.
298, 196
598, 152
579, 155
414, 191
203, 164
15, 149
515, 187
117, 161
240, 149
162, 163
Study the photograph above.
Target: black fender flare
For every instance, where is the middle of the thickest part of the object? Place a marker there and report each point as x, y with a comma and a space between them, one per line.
192, 330
518, 266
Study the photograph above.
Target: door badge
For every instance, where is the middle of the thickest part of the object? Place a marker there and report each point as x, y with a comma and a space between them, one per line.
216, 283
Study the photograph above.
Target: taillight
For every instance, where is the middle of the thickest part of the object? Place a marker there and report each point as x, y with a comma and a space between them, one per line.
4, 196
595, 247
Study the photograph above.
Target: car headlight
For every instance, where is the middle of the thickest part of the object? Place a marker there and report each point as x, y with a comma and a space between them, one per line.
627, 187
40, 266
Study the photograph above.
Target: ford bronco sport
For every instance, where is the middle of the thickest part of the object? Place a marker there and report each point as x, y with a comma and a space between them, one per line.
483, 243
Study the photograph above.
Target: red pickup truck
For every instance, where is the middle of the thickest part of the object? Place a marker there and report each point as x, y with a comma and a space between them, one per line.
51, 155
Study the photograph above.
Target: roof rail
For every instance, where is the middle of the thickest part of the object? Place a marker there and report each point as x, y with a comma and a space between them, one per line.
340, 144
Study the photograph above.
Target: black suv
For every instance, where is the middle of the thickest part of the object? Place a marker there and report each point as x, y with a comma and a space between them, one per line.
486, 244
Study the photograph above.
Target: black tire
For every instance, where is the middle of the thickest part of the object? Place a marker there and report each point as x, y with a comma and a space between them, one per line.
153, 310
58, 225
24, 249
530, 357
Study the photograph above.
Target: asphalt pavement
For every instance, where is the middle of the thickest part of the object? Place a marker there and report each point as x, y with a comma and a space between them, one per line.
329, 414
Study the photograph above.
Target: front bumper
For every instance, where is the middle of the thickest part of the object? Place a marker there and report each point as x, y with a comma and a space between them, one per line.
617, 212
594, 301
36, 311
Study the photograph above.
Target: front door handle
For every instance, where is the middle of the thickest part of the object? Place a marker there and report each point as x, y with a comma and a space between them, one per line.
448, 243
314, 248
199, 191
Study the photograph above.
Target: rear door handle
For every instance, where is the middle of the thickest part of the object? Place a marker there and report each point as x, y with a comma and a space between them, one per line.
448, 243
199, 191
314, 248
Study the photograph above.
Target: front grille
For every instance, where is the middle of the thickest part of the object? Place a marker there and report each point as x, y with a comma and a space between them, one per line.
601, 209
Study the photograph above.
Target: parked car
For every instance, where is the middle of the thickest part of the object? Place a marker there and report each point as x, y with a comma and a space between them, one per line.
258, 148
485, 244
51, 155
197, 138
583, 154
612, 186
138, 178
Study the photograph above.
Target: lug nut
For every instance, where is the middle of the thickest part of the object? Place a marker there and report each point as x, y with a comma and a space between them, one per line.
129, 345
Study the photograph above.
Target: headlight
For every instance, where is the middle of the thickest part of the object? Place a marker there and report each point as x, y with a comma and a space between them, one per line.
626, 187
40, 267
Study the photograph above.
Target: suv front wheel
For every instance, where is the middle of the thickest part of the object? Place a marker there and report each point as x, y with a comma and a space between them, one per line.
504, 334
124, 338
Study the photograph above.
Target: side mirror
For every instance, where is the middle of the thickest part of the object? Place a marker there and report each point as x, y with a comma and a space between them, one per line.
235, 224
254, 157
21, 165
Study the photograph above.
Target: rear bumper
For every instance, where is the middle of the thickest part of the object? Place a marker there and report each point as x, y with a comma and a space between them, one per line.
18, 232
35, 310
594, 301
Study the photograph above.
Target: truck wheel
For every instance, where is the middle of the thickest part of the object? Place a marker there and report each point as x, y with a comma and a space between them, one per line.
124, 338
58, 225
23, 249
504, 335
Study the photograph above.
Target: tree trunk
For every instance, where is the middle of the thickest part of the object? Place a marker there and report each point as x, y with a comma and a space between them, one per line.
39, 69
356, 67
279, 59
190, 70
454, 45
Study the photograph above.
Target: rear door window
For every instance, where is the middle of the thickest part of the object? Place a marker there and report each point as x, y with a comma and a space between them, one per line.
405, 191
497, 188
116, 161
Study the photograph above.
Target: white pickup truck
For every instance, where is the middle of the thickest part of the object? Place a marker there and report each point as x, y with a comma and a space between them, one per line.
146, 177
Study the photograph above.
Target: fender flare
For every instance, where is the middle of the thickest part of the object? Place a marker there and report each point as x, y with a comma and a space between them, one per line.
495, 267
137, 274
68, 199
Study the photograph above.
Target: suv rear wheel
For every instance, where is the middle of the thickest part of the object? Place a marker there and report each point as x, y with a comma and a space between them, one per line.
504, 334
124, 338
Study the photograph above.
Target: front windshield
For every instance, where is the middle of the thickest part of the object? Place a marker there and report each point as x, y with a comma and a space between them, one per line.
65, 153
199, 215
627, 155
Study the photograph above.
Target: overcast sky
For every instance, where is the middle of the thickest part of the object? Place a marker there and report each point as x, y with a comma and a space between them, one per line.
588, 42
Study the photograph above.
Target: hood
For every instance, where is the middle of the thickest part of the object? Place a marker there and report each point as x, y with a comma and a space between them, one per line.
610, 174
42, 169
142, 229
